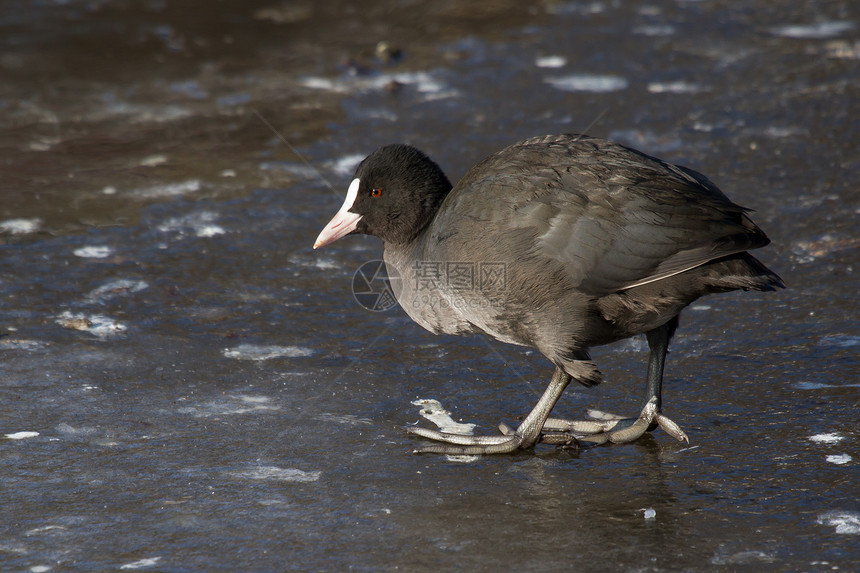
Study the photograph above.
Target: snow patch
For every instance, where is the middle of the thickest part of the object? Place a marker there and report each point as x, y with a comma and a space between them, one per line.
679, 87
255, 352
817, 31
430, 87
94, 252
168, 189
141, 563
551, 62
275, 473
202, 224
96, 324
345, 166
588, 83
845, 522
21, 435
649, 513
831, 438
20, 226
432, 410
113, 289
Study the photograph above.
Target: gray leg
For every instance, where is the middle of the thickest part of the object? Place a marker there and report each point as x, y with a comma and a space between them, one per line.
526, 435
609, 428
658, 342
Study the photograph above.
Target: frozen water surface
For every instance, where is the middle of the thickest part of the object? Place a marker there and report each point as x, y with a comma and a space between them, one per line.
185, 385
588, 83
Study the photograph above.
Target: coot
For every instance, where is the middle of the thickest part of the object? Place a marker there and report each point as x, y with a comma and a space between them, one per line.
561, 243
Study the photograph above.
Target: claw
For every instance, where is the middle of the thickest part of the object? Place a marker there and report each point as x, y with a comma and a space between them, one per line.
638, 428
600, 428
671, 428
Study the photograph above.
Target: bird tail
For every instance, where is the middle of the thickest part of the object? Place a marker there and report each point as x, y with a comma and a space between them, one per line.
743, 271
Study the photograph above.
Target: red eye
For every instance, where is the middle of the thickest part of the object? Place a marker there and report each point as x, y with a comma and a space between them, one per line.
375, 192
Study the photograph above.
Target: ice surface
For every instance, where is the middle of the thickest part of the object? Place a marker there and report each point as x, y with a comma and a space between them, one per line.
551, 62
819, 30
257, 352
21, 344
831, 438
425, 83
167, 189
211, 451
345, 419
588, 83
94, 252
231, 405
153, 161
345, 166
21, 435
432, 410
141, 563
201, 223
845, 522
655, 30
678, 87
96, 324
20, 226
748, 557
275, 473
822, 385
840, 341
116, 288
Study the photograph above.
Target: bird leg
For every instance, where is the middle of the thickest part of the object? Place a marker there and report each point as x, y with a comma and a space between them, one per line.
526, 435
602, 427
599, 428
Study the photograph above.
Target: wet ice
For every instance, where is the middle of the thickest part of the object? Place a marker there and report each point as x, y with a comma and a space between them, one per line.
94, 252
588, 83
20, 226
141, 563
250, 415
432, 410
200, 223
844, 522
829, 438
231, 405
115, 288
265, 352
817, 31
98, 325
276, 473
23, 435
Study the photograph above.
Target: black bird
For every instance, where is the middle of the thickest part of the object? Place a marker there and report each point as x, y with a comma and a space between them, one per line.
561, 243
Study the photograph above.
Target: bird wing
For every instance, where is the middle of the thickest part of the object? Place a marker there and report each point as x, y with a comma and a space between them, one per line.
612, 217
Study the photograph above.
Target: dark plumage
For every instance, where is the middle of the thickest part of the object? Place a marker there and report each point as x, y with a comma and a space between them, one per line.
585, 242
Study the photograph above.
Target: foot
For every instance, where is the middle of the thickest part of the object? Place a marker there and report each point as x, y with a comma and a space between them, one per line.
602, 427
599, 429
526, 436
463, 445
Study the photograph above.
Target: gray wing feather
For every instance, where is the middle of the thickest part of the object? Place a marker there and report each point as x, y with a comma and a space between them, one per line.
613, 217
